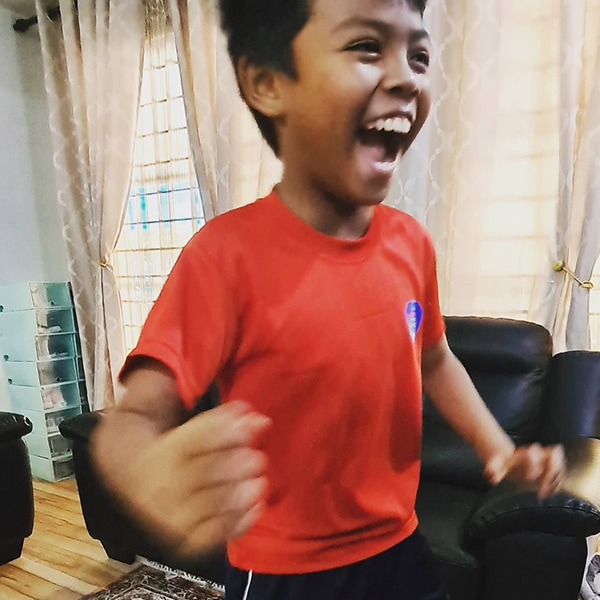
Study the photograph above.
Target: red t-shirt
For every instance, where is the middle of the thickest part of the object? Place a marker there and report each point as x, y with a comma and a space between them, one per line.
324, 336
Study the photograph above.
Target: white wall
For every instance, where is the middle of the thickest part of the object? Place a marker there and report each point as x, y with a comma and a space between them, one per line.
31, 245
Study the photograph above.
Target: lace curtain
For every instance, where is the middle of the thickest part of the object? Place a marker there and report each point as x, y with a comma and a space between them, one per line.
505, 174
234, 164
92, 57
576, 239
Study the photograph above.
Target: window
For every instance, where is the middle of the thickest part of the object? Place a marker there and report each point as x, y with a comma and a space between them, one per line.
164, 207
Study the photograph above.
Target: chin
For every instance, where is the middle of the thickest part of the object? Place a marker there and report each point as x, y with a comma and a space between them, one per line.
364, 200
362, 192
376, 194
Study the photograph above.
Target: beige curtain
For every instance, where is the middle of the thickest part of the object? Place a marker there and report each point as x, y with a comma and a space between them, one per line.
563, 302
442, 177
92, 60
233, 164
507, 166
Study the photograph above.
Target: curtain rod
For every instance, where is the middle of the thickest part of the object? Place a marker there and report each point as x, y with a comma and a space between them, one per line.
23, 25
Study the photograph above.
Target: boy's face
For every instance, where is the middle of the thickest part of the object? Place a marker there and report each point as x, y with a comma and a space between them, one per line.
360, 97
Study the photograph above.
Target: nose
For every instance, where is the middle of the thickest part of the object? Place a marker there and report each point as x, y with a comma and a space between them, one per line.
401, 78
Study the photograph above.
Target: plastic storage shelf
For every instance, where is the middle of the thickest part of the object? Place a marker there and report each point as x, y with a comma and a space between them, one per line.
41, 373
48, 446
51, 469
22, 296
38, 321
45, 398
46, 423
42, 347
41, 357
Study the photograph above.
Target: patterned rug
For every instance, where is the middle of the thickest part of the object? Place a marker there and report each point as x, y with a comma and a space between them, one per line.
155, 582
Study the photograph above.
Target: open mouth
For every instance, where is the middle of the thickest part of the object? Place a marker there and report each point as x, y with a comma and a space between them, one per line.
384, 137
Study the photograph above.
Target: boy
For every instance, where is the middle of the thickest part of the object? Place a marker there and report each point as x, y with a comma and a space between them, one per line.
315, 310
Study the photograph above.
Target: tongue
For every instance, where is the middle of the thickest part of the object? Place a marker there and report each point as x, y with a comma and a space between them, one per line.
374, 142
376, 146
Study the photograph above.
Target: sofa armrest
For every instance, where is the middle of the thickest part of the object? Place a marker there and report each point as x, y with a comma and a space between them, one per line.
573, 511
13, 426
514, 511
80, 427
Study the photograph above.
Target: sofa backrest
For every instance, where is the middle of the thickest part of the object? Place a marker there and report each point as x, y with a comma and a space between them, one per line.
572, 407
509, 362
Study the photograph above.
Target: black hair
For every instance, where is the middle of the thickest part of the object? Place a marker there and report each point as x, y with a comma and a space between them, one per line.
263, 32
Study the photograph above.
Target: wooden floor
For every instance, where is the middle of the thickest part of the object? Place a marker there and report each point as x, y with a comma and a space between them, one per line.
59, 561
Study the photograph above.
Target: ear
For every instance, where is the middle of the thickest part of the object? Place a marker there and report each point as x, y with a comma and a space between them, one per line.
260, 87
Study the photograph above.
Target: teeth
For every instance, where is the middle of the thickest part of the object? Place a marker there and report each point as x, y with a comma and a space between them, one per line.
396, 125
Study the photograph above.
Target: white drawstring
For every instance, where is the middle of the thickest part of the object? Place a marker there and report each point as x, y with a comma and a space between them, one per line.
247, 590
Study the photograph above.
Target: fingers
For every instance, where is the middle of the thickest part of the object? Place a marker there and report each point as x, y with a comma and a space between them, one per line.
215, 515
544, 466
213, 479
227, 426
224, 466
528, 462
495, 470
554, 471
213, 532
237, 499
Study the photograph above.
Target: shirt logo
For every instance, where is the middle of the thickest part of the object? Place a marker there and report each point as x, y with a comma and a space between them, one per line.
414, 316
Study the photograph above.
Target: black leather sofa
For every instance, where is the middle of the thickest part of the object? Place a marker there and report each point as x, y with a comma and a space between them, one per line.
489, 543
503, 543
16, 488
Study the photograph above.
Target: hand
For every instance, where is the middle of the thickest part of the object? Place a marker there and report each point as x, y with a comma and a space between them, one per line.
202, 483
545, 466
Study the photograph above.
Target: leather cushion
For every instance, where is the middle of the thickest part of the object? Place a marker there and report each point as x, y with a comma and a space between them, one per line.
457, 565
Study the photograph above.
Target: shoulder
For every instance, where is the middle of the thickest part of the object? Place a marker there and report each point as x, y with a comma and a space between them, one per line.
243, 218
396, 223
231, 230
215, 255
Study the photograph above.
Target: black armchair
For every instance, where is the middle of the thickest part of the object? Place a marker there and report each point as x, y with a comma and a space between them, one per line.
121, 538
16, 488
502, 542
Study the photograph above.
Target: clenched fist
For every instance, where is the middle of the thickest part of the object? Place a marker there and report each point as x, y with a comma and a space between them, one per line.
194, 485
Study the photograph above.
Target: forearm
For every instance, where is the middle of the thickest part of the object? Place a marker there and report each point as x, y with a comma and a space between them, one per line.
119, 438
452, 392
149, 407
191, 485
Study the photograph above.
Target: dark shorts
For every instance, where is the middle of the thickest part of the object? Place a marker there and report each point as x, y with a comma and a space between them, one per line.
404, 572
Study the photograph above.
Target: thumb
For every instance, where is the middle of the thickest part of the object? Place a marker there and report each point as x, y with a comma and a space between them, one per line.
496, 468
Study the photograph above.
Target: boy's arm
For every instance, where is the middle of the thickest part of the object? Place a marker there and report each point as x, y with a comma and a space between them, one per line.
192, 485
451, 390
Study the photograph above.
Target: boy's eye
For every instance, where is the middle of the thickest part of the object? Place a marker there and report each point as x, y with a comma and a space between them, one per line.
372, 47
421, 57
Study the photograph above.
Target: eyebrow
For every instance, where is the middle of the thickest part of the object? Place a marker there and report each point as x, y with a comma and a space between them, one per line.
416, 35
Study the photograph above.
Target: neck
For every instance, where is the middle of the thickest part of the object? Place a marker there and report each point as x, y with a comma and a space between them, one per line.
326, 214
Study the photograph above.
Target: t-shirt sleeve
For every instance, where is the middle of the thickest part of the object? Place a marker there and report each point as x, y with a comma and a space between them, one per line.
190, 327
434, 325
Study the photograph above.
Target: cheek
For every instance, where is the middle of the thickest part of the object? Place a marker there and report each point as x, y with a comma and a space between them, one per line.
424, 102
370, 74
423, 109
